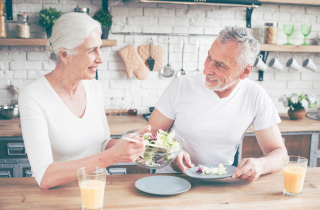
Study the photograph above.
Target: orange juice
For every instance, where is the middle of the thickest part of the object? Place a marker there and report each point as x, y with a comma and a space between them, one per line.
293, 178
92, 192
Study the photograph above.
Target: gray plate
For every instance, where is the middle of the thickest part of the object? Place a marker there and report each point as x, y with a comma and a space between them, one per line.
314, 115
192, 173
162, 185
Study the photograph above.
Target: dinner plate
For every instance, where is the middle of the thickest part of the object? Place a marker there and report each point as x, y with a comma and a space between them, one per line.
162, 185
192, 173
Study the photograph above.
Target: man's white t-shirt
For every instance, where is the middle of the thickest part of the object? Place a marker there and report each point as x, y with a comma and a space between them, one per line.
52, 133
213, 127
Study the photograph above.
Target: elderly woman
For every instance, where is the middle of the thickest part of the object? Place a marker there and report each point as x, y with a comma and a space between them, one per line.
64, 126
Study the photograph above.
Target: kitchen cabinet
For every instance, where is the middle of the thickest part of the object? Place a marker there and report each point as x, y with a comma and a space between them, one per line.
131, 168
296, 145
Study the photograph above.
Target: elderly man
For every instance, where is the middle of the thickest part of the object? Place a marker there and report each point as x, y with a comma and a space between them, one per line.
212, 111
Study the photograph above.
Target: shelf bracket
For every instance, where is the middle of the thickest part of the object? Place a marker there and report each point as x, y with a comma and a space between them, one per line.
264, 59
9, 10
105, 5
249, 13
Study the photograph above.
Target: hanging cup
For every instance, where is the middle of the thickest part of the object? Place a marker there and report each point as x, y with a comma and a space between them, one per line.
260, 64
293, 63
309, 64
275, 63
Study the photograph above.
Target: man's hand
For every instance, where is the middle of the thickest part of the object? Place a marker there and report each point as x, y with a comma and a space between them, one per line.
178, 163
248, 169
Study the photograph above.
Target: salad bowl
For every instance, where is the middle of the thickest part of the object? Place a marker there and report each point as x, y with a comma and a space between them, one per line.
153, 157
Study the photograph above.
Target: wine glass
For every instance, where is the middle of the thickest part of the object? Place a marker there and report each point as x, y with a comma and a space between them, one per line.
288, 29
305, 30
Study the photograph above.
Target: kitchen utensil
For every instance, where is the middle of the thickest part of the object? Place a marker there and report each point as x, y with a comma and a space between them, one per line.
150, 60
10, 112
15, 89
163, 185
167, 71
198, 55
192, 173
182, 72
136, 141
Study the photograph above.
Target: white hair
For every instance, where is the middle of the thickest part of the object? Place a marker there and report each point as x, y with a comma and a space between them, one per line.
69, 31
249, 47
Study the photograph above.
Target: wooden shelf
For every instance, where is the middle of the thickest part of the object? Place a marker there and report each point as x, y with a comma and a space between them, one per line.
289, 48
304, 2
43, 42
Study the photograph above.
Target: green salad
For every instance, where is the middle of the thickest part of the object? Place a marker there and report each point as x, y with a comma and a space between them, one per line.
155, 157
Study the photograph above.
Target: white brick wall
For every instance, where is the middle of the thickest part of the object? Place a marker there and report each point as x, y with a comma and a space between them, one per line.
21, 65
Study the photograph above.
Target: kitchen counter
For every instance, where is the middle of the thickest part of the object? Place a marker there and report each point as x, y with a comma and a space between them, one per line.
120, 193
119, 124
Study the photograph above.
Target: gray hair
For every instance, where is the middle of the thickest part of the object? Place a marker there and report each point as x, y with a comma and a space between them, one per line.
249, 47
69, 31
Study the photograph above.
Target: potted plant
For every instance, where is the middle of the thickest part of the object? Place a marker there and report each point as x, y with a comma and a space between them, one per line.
47, 18
105, 18
297, 104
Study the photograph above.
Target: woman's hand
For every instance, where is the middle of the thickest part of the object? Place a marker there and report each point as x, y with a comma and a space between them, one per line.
126, 151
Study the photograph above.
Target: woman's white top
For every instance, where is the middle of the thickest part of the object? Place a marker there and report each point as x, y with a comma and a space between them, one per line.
52, 133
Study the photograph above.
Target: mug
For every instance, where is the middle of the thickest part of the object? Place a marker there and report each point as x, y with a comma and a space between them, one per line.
308, 63
260, 64
275, 63
293, 63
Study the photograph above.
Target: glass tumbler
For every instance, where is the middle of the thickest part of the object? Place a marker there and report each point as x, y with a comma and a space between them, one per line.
294, 173
92, 186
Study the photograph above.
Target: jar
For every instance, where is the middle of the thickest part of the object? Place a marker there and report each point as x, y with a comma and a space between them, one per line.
132, 111
270, 33
82, 10
23, 26
123, 108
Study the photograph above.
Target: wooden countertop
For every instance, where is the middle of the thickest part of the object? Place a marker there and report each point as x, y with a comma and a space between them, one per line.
120, 193
119, 124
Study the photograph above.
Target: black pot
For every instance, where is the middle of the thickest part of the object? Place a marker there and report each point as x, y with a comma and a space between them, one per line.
105, 32
49, 32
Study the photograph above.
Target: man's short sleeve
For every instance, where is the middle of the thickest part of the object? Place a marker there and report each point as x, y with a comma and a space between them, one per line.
266, 113
166, 103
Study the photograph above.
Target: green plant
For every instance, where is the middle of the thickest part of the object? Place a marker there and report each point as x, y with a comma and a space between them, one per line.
104, 17
47, 17
296, 100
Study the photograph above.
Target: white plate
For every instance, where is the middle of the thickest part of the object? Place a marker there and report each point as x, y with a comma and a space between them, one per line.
192, 173
162, 185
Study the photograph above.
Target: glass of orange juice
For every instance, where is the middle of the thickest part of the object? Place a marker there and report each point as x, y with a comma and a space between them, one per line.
92, 187
294, 173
